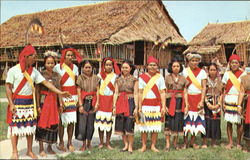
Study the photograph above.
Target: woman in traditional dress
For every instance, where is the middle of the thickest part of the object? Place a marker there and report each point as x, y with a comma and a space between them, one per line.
194, 119
244, 107
176, 88
213, 101
87, 89
126, 100
151, 103
104, 119
47, 128
231, 80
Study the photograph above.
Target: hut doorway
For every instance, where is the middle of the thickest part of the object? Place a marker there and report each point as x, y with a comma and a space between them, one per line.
228, 50
139, 52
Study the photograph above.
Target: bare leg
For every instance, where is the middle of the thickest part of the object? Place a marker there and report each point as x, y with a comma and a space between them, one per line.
229, 135
125, 141
108, 137
204, 141
175, 142
89, 144
41, 149
213, 143
239, 135
154, 136
101, 135
50, 150
144, 142
29, 149
70, 130
130, 143
192, 142
14, 141
185, 145
61, 134
83, 148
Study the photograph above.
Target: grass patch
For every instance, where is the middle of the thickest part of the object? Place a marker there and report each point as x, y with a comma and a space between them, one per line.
3, 124
209, 153
2, 91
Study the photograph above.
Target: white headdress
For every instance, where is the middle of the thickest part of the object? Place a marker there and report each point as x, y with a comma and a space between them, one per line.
51, 53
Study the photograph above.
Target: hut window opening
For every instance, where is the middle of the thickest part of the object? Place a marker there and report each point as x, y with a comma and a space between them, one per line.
139, 52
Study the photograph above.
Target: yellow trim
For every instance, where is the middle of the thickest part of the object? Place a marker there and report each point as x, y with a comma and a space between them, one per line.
24, 106
22, 119
234, 80
231, 108
69, 71
106, 82
149, 85
193, 79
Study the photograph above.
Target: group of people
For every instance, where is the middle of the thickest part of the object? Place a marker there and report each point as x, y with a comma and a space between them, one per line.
187, 101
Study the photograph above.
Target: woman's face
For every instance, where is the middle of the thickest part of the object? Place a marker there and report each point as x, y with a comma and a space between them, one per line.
87, 69
152, 67
125, 69
50, 63
193, 63
234, 65
212, 72
108, 66
69, 56
176, 67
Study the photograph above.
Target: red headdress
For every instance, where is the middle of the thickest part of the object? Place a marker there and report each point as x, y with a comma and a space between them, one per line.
77, 54
234, 57
152, 59
28, 50
116, 68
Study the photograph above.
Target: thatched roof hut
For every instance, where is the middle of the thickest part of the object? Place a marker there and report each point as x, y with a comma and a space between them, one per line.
222, 40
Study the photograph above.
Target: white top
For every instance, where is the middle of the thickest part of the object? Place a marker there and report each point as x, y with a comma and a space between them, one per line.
160, 83
15, 76
192, 89
225, 78
69, 81
107, 91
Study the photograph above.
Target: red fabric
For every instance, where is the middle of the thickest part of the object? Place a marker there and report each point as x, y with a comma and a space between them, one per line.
116, 68
151, 102
247, 120
77, 54
84, 94
105, 103
122, 105
172, 104
66, 75
234, 57
229, 82
193, 101
195, 72
49, 113
28, 50
15, 95
152, 59
70, 89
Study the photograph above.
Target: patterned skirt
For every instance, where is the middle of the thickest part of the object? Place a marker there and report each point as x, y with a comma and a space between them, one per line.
231, 114
23, 122
69, 112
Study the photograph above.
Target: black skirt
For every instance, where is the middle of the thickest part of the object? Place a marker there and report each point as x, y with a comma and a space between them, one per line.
125, 125
246, 134
174, 124
48, 135
85, 123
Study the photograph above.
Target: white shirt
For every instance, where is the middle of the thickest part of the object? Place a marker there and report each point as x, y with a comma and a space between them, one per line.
107, 91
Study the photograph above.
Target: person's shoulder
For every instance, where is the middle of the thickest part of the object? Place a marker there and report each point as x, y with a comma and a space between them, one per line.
14, 68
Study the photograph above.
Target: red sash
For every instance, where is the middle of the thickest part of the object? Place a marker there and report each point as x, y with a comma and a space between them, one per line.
172, 104
247, 120
66, 75
193, 101
122, 105
195, 72
70, 89
155, 89
49, 113
229, 84
14, 95
110, 85
84, 94
105, 103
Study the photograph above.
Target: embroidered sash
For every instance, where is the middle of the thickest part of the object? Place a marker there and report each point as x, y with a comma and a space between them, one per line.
193, 79
107, 82
234, 80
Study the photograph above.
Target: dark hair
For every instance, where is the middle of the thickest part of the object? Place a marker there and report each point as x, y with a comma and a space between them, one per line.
212, 64
82, 64
171, 64
132, 66
45, 59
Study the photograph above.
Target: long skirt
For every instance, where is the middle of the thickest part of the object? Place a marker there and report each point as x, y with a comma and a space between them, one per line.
23, 122
124, 125
174, 124
85, 123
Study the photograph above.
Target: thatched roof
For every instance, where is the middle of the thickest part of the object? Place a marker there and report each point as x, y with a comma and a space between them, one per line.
203, 49
108, 22
223, 33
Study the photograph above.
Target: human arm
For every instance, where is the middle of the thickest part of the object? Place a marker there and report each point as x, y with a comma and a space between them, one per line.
136, 98
50, 86
8, 88
116, 94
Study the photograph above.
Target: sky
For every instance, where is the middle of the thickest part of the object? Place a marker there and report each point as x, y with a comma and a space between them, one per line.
190, 16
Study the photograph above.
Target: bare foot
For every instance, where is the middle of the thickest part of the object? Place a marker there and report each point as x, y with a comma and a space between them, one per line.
195, 146
32, 155
100, 146
50, 150
14, 156
61, 147
214, 145
83, 148
109, 147
239, 146
124, 149
184, 146
229, 146
204, 146
71, 148
154, 149
89, 147
143, 149
42, 154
